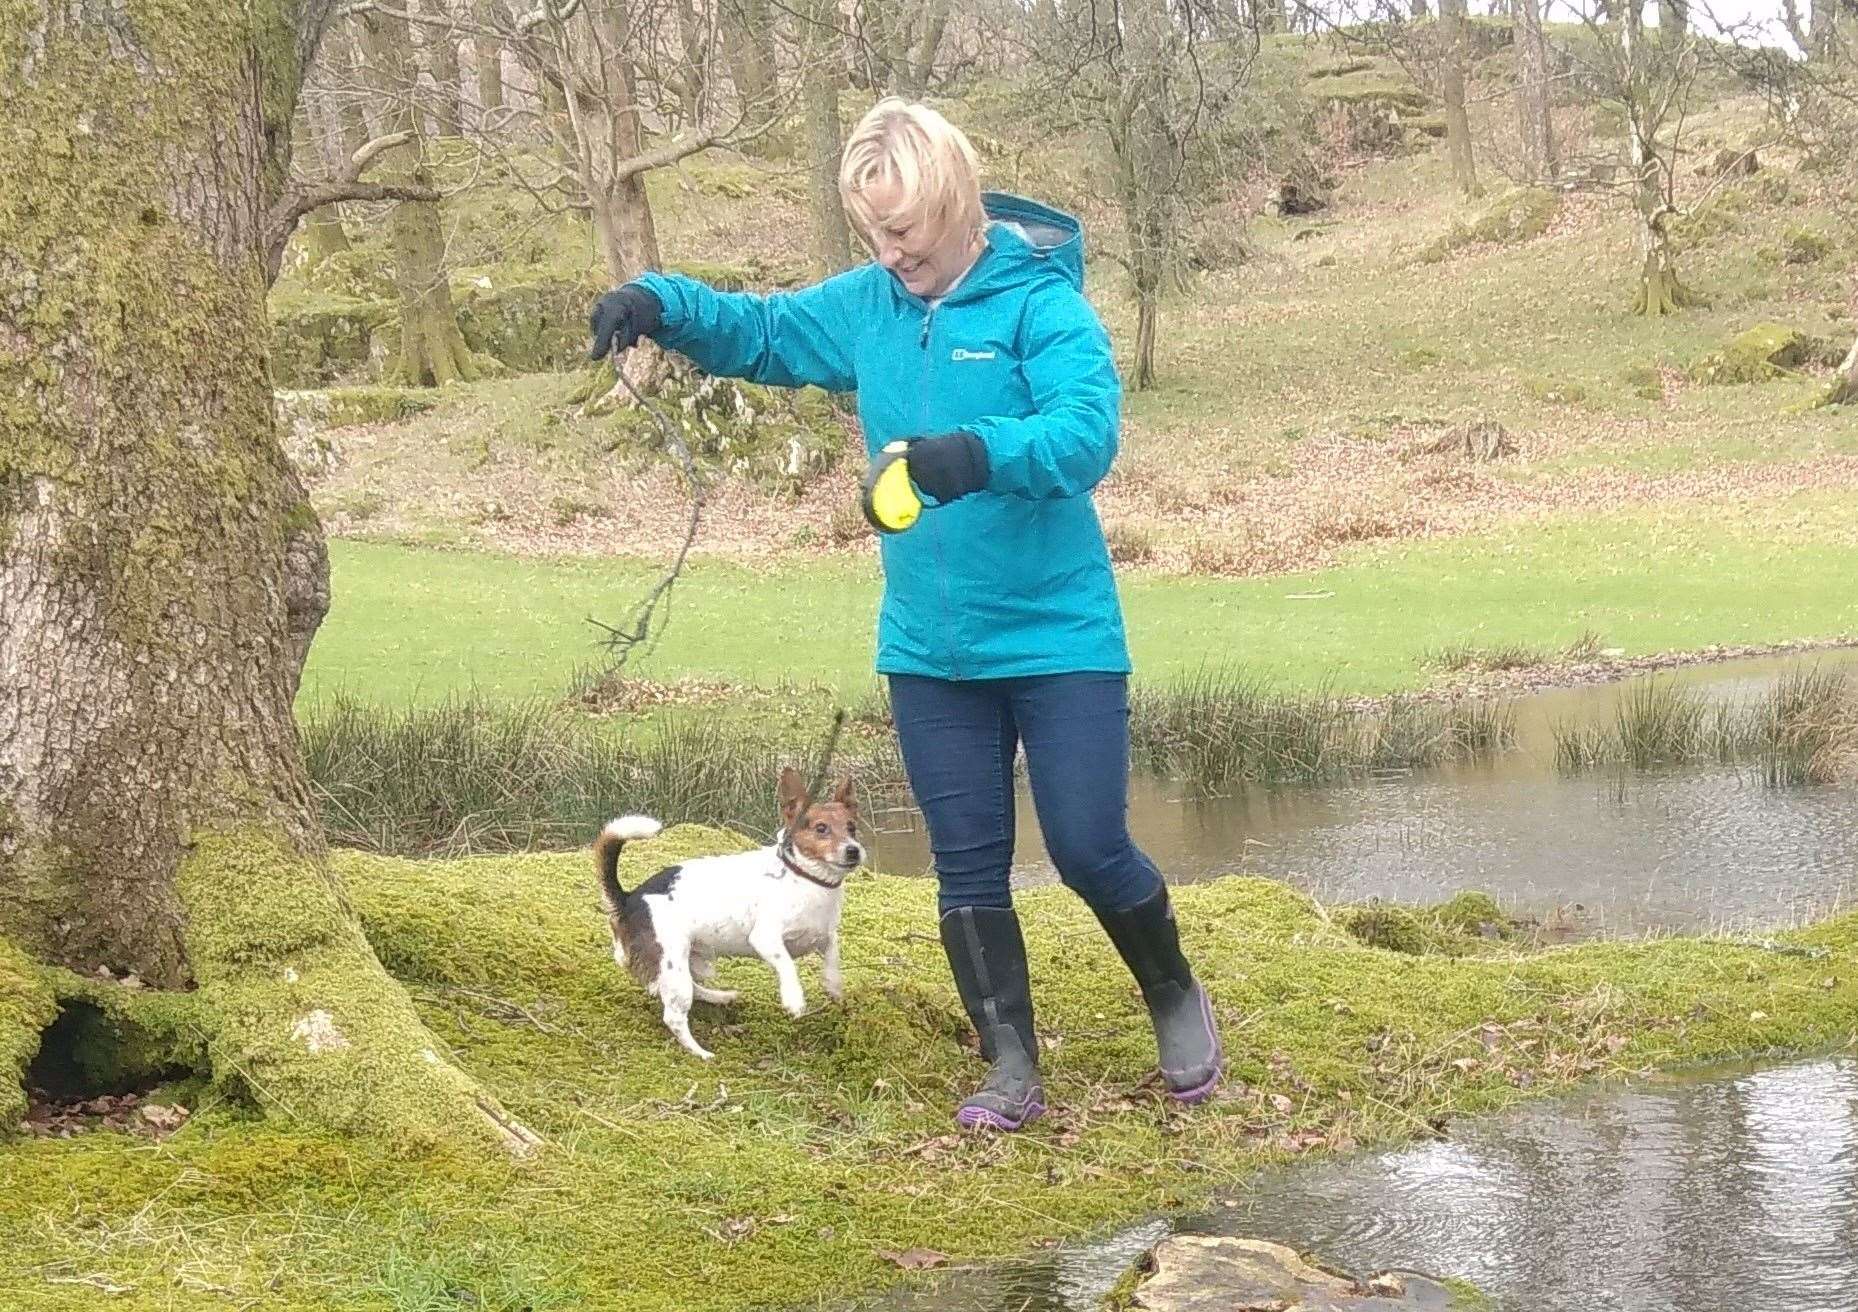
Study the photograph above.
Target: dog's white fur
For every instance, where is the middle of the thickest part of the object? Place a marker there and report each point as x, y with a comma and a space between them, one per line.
744, 904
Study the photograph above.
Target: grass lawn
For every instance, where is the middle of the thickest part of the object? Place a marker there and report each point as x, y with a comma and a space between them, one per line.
411, 624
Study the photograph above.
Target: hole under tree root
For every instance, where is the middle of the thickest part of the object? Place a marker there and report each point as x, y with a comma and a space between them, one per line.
93, 1073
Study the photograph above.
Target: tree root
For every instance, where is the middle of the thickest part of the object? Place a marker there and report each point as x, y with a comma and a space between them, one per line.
27, 1006
1661, 293
300, 1016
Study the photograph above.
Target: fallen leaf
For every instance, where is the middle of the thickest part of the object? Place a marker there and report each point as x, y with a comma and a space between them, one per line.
930, 1147
1282, 1102
914, 1259
162, 1117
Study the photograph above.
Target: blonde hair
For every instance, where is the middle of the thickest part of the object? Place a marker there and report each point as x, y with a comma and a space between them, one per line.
929, 159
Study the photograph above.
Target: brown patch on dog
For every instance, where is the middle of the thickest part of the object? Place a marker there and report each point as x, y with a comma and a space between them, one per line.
828, 831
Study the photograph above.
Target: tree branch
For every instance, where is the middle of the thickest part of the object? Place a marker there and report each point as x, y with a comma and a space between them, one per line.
366, 155
301, 197
669, 153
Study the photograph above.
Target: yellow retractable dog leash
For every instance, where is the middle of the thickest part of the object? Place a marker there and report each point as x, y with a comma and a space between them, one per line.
890, 500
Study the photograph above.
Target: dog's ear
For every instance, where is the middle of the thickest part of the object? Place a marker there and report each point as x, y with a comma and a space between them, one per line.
791, 794
845, 796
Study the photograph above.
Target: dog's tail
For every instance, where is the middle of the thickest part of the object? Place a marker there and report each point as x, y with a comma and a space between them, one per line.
626, 829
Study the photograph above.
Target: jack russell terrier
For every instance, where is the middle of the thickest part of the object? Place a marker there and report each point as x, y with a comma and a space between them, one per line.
776, 902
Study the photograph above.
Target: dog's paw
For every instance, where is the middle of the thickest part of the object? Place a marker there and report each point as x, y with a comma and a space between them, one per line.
795, 1007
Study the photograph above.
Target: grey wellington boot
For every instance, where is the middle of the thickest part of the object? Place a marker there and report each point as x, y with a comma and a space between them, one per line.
988, 955
1185, 1034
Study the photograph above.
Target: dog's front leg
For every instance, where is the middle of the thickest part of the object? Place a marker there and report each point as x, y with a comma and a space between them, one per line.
772, 948
831, 977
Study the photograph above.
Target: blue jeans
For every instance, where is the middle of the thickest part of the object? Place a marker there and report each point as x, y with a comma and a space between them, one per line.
959, 741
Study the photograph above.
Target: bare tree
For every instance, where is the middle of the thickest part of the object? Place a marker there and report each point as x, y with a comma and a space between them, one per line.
1534, 127
432, 349
487, 59
1454, 56
343, 86
440, 45
748, 32
608, 71
898, 41
832, 239
162, 576
1651, 80
1153, 79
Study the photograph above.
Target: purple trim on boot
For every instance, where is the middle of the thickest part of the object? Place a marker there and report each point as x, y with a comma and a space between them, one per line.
1200, 1092
972, 1116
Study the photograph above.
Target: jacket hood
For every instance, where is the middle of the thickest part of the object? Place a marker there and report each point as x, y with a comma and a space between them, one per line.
1020, 231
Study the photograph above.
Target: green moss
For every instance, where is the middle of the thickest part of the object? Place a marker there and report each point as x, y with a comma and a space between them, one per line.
304, 1023
1514, 216
26, 1007
524, 319
1764, 352
1373, 91
1467, 922
318, 339
1555, 391
340, 407
112, 1036
1474, 913
1467, 1297
1804, 246
774, 1175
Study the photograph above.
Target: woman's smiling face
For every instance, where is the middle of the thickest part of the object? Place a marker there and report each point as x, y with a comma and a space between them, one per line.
904, 241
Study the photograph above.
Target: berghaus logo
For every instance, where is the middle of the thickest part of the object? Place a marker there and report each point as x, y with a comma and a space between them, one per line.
961, 353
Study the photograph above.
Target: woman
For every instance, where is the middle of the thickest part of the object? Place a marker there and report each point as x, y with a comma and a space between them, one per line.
970, 338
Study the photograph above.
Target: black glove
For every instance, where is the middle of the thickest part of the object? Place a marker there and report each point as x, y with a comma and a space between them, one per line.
621, 317
948, 467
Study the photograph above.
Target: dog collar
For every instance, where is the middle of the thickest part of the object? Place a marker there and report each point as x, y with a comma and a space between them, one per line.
794, 867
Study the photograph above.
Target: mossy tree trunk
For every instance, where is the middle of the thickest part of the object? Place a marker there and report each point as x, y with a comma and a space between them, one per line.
1647, 94
432, 350
1532, 98
1453, 57
440, 39
920, 69
832, 237
163, 574
1149, 167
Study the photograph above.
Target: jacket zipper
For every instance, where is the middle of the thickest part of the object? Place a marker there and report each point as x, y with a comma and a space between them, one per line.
934, 526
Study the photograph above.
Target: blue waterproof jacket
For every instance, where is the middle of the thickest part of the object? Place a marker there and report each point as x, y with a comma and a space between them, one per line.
1011, 581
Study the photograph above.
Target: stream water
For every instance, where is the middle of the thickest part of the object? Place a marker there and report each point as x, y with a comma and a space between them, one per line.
1606, 852
1733, 1189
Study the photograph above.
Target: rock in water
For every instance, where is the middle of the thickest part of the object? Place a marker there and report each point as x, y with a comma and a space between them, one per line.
1206, 1273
